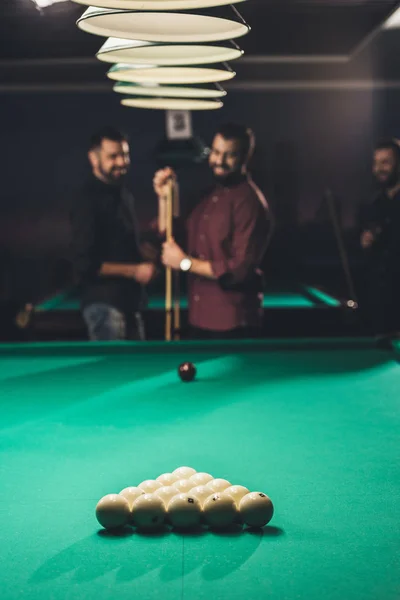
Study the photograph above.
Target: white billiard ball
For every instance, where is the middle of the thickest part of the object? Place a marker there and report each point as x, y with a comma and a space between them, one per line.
148, 512
182, 486
236, 492
166, 493
184, 472
200, 479
113, 511
201, 492
149, 486
220, 511
256, 509
131, 493
184, 511
167, 479
218, 485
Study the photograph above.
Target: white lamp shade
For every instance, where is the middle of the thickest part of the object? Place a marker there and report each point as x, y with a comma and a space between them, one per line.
171, 103
170, 75
168, 91
157, 4
116, 50
160, 26
393, 22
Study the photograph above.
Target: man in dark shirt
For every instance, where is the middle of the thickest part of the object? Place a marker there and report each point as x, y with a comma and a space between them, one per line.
227, 235
107, 261
380, 240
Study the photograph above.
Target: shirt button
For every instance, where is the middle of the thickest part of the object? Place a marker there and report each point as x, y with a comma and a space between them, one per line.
202, 236
205, 217
196, 298
215, 198
201, 256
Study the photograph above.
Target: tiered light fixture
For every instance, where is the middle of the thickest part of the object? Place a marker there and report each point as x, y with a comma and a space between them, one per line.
175, 27
45, 3
170, 75
116, 50
159, 52
154, 5
169, 91
172, 103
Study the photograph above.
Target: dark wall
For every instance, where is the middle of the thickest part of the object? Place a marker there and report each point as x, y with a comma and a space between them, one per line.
307, 140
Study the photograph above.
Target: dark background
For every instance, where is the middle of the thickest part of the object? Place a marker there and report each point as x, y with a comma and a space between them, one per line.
316, 108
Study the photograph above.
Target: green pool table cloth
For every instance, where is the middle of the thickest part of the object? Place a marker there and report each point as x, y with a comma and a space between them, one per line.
314, 424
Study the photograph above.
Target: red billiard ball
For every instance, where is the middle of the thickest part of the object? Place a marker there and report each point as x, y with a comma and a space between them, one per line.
187, 371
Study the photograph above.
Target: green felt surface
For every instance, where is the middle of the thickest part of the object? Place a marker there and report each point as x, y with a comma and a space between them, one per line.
282, 299
323, 297
313, 424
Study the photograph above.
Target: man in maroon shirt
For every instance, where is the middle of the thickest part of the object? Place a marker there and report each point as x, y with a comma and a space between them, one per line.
227, 235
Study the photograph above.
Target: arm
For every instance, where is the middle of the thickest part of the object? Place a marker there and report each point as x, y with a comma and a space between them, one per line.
85, 251
127, 270
160, 183
252, 228
203, 268
252, 231
370, 224
173, 255
84, 255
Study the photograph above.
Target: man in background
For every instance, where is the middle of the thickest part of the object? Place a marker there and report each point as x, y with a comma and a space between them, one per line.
380, 240
108, 264
227, 235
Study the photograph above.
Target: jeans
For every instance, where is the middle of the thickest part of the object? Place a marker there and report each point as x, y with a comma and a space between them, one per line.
107, 323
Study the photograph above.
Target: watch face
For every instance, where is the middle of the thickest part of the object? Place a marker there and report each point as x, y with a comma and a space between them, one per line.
186, 263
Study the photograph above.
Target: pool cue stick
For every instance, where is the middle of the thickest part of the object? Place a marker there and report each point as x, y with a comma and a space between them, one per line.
176, 274
168, 270
342, 249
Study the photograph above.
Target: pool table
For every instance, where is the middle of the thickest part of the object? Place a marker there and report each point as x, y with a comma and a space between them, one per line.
313, 423
288, 308
295, 296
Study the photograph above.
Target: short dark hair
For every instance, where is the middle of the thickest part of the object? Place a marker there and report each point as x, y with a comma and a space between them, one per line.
107, 133
392, 144
244, 135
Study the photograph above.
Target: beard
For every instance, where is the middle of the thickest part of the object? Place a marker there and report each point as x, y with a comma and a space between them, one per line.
114, 176
390, 181
226, 177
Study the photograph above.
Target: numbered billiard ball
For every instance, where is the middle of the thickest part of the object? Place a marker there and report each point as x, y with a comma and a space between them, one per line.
187, 371
148, 512
256, 509
184, 511
220, 511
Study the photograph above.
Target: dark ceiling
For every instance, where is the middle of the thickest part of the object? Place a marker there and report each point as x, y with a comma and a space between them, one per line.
46, 47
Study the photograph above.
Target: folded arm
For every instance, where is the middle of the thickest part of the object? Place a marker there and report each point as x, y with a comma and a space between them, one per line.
85, 251
252, 230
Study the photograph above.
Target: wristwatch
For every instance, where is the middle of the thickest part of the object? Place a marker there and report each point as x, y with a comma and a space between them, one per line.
186, 264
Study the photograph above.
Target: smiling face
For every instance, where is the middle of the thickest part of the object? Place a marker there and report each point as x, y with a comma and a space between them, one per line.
110, 162
385, 167
226, 158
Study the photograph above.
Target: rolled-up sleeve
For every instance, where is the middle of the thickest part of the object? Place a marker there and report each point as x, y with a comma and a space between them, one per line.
251, 231
84, 255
